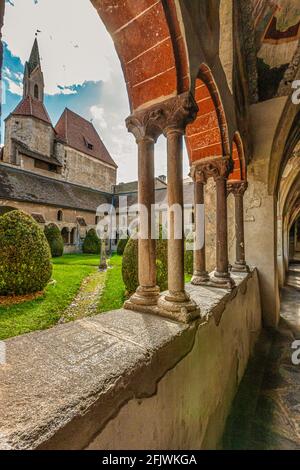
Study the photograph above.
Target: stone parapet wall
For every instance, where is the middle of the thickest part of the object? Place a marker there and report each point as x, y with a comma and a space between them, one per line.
125, 380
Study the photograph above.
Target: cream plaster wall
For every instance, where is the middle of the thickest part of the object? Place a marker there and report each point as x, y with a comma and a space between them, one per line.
88, 171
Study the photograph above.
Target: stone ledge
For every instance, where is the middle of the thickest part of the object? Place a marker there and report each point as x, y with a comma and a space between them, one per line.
55, 380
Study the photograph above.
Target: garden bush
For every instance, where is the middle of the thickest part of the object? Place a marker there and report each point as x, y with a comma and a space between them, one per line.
55, 240
122, 245
189, 261
91, 243
130, 265
25, 261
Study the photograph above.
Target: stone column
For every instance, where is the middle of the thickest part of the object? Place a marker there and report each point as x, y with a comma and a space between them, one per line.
238, 190
144, 126
176, 303
219, 169
200, 276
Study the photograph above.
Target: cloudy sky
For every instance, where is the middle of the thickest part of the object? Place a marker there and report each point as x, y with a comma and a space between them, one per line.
81, 71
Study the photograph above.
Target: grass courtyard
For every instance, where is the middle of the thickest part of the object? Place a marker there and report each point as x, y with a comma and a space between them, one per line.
77, 290
71, 274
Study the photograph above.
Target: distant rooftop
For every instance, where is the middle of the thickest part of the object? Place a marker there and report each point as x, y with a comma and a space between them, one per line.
81, 135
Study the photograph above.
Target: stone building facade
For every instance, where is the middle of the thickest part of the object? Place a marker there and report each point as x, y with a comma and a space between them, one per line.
60, 174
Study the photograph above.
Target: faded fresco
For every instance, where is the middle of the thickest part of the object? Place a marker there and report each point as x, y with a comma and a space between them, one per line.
277, 34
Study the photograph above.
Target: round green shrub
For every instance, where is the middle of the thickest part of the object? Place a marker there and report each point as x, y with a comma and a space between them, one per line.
25, 261
122, 245
189, 255
55, 240
91, 243
130, 265
189, 261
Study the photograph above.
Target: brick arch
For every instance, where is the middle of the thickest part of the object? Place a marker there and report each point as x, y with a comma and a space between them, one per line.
238, 157
149, 40
207, 136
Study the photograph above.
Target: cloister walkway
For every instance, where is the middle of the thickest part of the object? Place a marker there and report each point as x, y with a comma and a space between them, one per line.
266, 411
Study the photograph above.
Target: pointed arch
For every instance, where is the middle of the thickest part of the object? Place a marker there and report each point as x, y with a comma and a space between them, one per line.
238, 156
208, 135
150, 41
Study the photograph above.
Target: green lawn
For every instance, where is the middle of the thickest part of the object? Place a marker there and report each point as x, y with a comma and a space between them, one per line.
114, 291
68, 273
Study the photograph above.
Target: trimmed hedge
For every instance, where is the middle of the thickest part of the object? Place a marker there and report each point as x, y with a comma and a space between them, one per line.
189, 261
91, 243
130, 265
25, 261
121, 246
55, 240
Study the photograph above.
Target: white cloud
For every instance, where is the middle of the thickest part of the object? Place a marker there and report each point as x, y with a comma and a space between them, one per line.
66, 24
14, 87
98, 115
74, 44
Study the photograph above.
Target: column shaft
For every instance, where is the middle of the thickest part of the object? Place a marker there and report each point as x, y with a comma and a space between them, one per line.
239, 224
200, 274
146, 197
222, 237
238, 190
175, 200
176, 303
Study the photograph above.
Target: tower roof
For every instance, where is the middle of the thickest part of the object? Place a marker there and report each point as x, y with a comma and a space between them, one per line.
81, 135
34, 108
34, 60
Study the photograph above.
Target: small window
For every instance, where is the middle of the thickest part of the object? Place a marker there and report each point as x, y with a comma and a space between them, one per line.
36, 91
59, 216
45, 166
52, 168
88, 144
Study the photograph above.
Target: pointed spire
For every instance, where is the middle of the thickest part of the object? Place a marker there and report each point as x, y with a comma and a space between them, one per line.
34, 60
33, 75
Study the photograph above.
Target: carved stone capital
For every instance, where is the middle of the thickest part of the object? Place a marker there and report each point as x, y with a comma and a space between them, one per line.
146, 124
198, 175
215, 168
179, 112
172, 115
237, 188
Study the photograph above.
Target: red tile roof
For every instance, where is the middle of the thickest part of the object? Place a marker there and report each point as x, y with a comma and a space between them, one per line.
31, 107
81, 135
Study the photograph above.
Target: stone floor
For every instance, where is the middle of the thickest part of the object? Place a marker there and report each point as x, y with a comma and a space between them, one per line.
266, 411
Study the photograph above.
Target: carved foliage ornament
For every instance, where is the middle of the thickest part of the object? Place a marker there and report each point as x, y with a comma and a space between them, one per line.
215, 168
171, 115
237, 188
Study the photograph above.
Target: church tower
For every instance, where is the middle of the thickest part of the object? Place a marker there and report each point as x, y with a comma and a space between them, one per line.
33, 75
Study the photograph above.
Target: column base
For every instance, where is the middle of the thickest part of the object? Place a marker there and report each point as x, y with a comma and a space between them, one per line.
143, 300
178, 306
103, 267
222, 280
240, 268
200, 278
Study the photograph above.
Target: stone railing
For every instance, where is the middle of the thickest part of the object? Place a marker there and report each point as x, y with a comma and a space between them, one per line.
125, 380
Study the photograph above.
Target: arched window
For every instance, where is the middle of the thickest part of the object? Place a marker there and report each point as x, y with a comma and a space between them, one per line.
60, 216
73, 236
65, 235
36, 91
